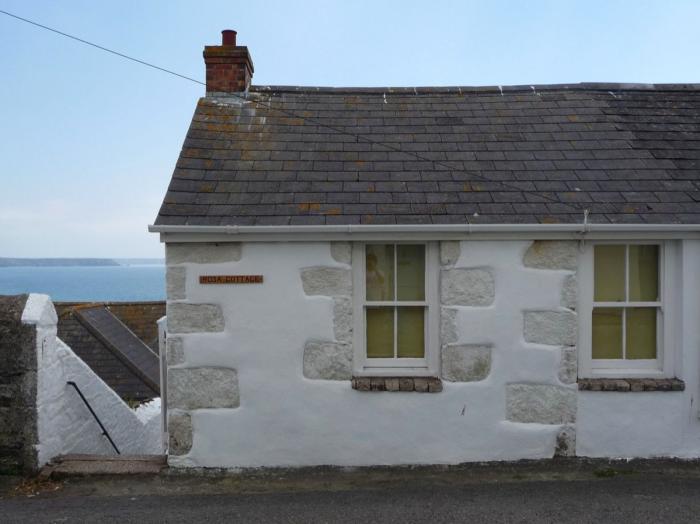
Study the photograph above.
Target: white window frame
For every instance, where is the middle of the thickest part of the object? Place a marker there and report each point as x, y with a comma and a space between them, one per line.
397, 367
663, 365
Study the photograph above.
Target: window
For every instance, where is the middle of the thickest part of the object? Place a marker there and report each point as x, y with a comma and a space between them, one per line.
624, 310
395, 309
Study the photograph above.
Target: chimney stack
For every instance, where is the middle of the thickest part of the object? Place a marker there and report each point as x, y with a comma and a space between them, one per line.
229, 67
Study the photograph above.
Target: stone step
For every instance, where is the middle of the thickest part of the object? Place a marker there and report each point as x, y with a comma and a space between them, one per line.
72, 465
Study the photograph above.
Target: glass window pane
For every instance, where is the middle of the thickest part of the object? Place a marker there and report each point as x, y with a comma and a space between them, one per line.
410, 272
410, 332
379, 272
380, 332
607, 332
641, 333
609, 273
644, 273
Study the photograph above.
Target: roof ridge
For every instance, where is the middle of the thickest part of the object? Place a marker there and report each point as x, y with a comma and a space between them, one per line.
418, 90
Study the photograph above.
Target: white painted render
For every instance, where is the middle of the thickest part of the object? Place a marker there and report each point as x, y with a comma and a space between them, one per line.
65, 425
285, 419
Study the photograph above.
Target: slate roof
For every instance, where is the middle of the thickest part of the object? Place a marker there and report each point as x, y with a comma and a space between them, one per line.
121, 341
103, 358
520, 154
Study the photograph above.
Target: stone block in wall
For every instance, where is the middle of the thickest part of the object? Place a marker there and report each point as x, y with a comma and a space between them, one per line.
18, 389
175, 278
467, 287
394, 384
18, 431
174, 351
540, 404
202, 252
566, 441
179, 433
556, 328
17, 340
569, 292
202, 387
448, 325
341, 252
568, 365
328, 281
552, 254
449, 252
194, 318
342, 319
327, 360
466, 362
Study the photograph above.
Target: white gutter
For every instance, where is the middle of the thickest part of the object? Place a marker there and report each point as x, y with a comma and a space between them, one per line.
423, 231
390, 228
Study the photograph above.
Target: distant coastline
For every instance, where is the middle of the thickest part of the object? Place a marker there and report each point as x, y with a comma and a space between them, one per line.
78, 262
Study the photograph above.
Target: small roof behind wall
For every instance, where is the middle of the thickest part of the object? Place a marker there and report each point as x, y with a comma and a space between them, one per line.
111, 339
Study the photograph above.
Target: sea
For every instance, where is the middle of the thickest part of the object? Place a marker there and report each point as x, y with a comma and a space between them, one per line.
137, 282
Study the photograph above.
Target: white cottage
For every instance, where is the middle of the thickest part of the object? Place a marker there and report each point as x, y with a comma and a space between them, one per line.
432, 275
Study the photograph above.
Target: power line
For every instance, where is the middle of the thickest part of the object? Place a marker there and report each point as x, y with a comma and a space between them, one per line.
122, 55
258, 103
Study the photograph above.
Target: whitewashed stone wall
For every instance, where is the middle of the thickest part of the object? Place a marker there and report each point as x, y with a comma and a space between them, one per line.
466, 287
64, 423
289, 342
509, 321
331, 359
281, 352
192, 323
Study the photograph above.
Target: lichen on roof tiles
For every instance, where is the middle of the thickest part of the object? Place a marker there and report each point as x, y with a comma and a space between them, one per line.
494, 154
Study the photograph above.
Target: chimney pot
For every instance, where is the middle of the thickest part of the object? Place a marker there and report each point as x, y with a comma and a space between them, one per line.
229, 66
228, 37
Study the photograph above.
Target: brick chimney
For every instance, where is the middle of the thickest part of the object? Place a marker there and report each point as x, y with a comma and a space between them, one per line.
229, 67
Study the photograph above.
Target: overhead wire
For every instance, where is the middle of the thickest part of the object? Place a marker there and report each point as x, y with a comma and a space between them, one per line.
292, 114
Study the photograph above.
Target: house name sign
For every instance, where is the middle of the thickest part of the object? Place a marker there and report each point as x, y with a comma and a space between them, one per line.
231, 279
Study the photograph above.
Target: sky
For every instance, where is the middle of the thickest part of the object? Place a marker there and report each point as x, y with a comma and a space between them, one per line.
88, 141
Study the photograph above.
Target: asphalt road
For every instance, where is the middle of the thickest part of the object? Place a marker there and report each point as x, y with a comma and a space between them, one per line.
620, 499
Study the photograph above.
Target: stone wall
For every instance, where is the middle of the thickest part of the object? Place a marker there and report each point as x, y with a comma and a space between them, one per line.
462, 287
261, 373
190, 324
41, 415
509, 319
18, 375
331, 359
553, 402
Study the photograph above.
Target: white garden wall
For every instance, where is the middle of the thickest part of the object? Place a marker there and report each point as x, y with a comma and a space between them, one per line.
65, 425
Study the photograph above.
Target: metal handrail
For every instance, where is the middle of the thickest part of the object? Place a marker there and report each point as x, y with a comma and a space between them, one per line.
104, 430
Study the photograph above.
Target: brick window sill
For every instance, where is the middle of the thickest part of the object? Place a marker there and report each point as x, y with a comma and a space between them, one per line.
631, 384
415, 384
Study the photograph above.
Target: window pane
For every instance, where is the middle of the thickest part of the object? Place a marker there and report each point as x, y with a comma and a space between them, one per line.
644, 273
410, 332
380, 332
609, 273
379, 271
607, 332
641, 333
410, 277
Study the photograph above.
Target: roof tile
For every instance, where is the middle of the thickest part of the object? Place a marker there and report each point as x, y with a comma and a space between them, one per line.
440, 155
